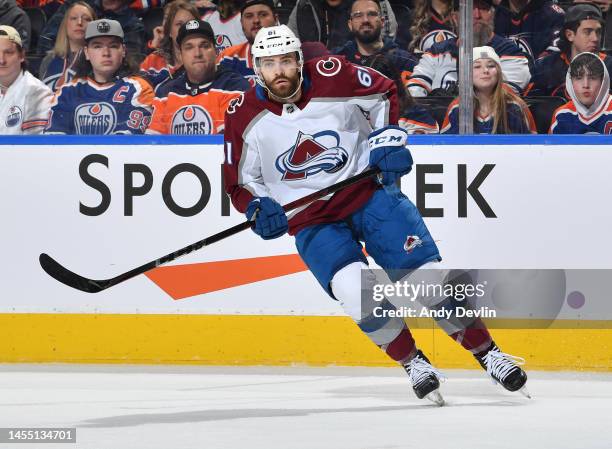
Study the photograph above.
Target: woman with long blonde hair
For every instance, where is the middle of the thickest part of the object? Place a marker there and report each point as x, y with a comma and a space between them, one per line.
497, 110
57, 68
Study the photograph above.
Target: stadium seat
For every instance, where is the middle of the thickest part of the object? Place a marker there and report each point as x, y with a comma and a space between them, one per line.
37, 20
542, 109
436, 106
34, 63
283, 14
154, 17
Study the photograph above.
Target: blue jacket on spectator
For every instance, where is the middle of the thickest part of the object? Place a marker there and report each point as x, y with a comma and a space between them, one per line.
403, 60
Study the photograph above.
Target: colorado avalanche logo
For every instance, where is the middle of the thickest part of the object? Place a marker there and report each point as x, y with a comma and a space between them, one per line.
190, 120
95, 118
222, 42
434, 37
13, 118
412, 242
312, 154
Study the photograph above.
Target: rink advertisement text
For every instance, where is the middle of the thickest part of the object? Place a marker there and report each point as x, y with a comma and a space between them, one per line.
137, 181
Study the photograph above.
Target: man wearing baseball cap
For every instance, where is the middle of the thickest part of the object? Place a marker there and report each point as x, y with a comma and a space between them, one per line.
195, 101
255, 15
105, 96
581, 32
24, 100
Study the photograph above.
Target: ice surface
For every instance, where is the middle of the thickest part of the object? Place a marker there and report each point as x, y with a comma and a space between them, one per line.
174, 407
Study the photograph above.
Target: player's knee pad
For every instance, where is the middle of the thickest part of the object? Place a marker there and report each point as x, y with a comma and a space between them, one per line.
353, 286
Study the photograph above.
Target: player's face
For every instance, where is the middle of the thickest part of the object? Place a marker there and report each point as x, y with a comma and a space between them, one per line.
586, 88
11, 58
198, 56
485, 74
254, 18
76, 23
281, 74
106, 55
587, 37
180, 19
113, 5
365, 21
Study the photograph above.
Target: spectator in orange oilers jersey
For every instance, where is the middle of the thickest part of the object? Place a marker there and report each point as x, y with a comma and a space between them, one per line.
255, 14
195, 102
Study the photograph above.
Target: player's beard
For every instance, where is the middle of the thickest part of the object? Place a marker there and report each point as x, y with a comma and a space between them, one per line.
286, 90
369, 35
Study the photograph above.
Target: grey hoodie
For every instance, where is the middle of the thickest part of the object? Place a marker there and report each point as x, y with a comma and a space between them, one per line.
602, 95
13, 15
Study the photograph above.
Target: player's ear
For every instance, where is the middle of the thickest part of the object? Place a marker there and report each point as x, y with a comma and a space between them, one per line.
569, 35
276, 21
124, 51
86, 52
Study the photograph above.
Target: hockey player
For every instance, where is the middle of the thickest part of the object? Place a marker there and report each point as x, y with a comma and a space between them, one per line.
254, 15
195, 102
24, 100
103, 98
581, 32
306, 126
437, 68
590, 109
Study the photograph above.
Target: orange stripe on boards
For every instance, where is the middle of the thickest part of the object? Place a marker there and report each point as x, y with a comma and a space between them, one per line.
183, 281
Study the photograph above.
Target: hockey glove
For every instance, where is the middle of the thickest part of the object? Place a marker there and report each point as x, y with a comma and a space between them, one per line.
269, 216
388, 151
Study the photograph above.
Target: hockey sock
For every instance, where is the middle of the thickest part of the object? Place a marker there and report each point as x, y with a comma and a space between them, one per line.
475, 337
402, 348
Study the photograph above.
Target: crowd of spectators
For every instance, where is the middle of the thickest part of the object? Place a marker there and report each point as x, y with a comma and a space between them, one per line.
131, 67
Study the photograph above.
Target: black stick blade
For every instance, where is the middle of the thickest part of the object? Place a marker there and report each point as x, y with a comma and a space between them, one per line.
67, 277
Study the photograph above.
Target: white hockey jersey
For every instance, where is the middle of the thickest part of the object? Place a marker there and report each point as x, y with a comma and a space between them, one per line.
25, 106
228, 32
287, 151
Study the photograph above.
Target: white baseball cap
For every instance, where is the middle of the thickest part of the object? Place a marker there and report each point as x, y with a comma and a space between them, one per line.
485, 52
10, 33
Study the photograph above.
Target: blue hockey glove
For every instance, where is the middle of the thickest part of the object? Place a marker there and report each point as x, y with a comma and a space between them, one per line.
388, 151
269, 216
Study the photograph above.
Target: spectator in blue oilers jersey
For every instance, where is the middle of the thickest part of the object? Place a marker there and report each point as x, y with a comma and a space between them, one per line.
581, 32
104, 97
497, 110
590, 108
533, 24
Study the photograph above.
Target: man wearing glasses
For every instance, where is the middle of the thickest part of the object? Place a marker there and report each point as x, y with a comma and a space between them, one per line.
366, 24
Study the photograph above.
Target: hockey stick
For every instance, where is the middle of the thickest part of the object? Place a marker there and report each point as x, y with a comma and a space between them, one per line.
71, 279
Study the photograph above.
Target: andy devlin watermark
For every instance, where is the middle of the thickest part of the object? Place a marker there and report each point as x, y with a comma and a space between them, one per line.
406, 291
506, 298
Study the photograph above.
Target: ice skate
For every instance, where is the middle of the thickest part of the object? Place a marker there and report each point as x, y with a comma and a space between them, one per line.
504, 369
425, 378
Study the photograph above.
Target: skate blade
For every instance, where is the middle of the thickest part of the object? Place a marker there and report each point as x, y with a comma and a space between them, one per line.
525, 392
436, 398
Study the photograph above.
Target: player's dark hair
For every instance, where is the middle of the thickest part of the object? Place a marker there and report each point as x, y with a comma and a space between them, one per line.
384, 65
586, 64
166, 46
